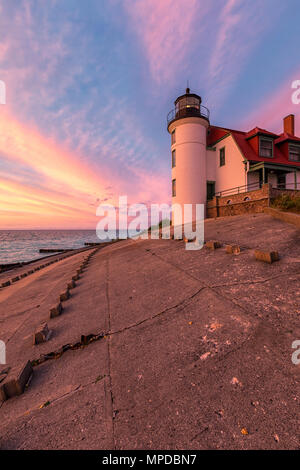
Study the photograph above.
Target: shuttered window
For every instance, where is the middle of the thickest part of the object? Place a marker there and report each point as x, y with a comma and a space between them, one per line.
265, 147
294, 153
222, 156
173, 158
173, 188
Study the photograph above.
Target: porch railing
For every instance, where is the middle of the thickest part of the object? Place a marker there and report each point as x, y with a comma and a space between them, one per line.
239, 189
290, 186
254, 186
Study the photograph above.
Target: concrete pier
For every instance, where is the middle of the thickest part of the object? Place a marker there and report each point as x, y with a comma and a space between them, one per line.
159, 347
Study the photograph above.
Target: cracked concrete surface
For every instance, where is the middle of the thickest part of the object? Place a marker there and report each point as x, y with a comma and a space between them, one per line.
197, 346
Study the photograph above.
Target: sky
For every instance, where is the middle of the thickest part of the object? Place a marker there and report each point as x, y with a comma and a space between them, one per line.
89, 84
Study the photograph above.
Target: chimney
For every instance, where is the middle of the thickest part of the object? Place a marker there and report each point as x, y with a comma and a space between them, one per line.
289, 124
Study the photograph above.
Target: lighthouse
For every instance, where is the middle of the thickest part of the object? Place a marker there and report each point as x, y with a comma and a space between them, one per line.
187, 125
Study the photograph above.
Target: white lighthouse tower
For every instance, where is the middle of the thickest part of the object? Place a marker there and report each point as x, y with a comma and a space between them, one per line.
188, 124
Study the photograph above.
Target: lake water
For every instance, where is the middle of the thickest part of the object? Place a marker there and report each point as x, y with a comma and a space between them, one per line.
24, 245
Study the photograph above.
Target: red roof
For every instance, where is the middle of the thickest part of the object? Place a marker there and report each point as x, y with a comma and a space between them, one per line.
285, 136
215, 134
248, 151
258, 130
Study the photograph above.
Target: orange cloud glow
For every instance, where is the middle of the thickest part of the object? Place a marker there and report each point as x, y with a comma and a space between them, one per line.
63, 191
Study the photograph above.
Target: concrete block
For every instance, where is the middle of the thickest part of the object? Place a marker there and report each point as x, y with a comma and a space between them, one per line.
233, 249
56, 310
64, 295
189, 239
23, 275
15, 279
71, 284
3, 375
16, 381
42, 334
267, 256
213, 244
6, 283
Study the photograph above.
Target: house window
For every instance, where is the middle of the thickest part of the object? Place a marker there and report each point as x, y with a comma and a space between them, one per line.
265, 147
173, 137
294, 153
222, 156
173, 158
173, 188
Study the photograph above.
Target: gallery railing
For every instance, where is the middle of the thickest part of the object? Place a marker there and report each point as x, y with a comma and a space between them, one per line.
188, 111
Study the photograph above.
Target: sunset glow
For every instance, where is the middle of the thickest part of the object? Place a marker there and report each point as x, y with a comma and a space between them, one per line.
88, 88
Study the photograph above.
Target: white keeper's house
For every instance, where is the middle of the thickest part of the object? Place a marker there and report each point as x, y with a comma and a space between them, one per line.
208, 160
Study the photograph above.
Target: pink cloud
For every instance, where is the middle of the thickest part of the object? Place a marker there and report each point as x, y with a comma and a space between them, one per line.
175, 32
165, 29
272, 109
239, 28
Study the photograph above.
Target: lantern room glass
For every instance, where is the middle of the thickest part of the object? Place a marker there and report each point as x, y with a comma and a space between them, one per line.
188, 104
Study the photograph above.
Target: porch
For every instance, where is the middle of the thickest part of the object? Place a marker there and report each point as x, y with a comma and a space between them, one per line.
277, 175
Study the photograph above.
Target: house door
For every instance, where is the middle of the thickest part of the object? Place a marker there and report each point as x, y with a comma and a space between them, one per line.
281, 181
210, 189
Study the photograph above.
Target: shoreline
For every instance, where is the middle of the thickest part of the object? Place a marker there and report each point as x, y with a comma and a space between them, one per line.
50, 253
